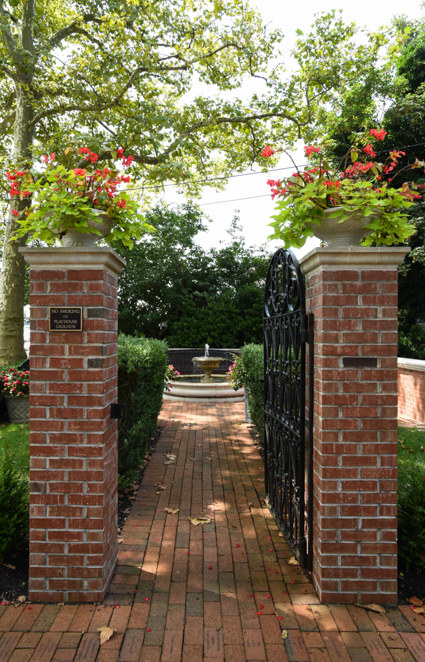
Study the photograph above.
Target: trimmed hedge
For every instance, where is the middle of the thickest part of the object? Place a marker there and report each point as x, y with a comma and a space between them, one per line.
252, 358
142, 368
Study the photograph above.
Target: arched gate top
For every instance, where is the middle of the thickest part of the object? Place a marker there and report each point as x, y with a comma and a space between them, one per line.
284, 290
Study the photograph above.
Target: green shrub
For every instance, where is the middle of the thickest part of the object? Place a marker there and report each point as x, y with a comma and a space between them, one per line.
14, 503
142, 367
411, 497
252, 359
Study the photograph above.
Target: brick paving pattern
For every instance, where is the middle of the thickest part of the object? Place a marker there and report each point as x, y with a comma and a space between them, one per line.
218, 591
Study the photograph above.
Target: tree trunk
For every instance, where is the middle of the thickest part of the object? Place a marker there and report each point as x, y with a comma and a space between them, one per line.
12, 281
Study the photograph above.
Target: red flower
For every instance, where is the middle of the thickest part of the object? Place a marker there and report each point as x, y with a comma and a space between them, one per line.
311, 150
267, 152
120, 152
379, 135
15, 213
120, 203
79, 171
369, 151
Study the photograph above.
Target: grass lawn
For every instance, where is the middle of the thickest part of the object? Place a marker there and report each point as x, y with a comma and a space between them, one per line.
411, 448
15, 438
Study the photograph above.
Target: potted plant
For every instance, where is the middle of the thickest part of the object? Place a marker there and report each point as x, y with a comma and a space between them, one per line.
15, 386
77, 205
347, 205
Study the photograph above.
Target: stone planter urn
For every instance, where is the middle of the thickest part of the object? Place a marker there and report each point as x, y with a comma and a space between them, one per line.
348, 233
74, 238
18, 408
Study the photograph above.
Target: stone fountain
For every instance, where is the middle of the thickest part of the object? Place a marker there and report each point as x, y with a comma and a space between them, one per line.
206, 389
207, 363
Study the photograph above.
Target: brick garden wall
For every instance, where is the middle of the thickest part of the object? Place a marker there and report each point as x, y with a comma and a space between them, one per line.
411, 390
354, 300
73, 440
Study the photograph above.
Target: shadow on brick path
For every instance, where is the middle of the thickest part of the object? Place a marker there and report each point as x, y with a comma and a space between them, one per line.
221, 591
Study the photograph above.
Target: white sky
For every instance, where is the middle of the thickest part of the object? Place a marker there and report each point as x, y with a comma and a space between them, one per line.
255, 213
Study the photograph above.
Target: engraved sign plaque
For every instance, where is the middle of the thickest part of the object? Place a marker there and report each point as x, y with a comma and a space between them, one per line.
65, 318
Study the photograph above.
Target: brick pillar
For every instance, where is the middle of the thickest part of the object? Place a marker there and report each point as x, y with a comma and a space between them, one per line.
353, 294
73, 440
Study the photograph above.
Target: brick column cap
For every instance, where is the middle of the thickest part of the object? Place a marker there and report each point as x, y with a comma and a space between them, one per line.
73, 257
353, 258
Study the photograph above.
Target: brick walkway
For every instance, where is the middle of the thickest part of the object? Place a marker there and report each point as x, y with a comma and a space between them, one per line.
218, 591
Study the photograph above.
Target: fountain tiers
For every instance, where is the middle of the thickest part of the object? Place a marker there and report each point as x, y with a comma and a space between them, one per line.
208, 364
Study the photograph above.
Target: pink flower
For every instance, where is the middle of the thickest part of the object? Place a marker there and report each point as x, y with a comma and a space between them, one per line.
44, 158
267, 152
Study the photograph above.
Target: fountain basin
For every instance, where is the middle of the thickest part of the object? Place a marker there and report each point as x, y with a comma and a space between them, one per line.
194, 389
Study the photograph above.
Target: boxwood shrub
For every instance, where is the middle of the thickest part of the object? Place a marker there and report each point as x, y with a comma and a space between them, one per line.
252, 357
142, 365
14, 503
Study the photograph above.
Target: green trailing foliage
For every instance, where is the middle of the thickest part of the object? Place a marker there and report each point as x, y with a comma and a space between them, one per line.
142, 370
14, 503
411, 498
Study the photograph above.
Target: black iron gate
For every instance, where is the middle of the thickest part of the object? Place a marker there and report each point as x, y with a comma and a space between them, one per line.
288, 429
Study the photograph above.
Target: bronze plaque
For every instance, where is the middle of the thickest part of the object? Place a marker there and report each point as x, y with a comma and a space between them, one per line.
65, 318
359, 362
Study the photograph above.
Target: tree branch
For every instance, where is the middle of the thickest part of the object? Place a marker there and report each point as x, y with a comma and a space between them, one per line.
8, 40
70, 29
7, 120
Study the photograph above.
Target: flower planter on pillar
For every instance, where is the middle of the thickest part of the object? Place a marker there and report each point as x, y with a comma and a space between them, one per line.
73, 440
353, 294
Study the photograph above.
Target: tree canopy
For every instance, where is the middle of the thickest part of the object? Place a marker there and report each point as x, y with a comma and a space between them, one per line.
109, 74
173, 289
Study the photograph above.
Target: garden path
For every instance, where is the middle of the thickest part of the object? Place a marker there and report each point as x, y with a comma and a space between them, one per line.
222, 591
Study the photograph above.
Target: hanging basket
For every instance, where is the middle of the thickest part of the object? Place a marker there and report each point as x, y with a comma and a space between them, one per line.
18, 408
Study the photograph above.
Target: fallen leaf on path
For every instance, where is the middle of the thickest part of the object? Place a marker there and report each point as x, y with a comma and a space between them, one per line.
169, 462
199, 520
415, 601
7, 565
372, 607
284, 634
419, 610
293, 561
170, 456
21, 599
120, 540
171, 511
208, 458
105, 634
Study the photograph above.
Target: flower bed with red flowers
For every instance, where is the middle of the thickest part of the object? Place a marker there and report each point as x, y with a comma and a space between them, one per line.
15, 383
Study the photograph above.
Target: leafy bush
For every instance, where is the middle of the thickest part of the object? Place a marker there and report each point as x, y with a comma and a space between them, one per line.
251, 369
142, 370
14, 503
411, 497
